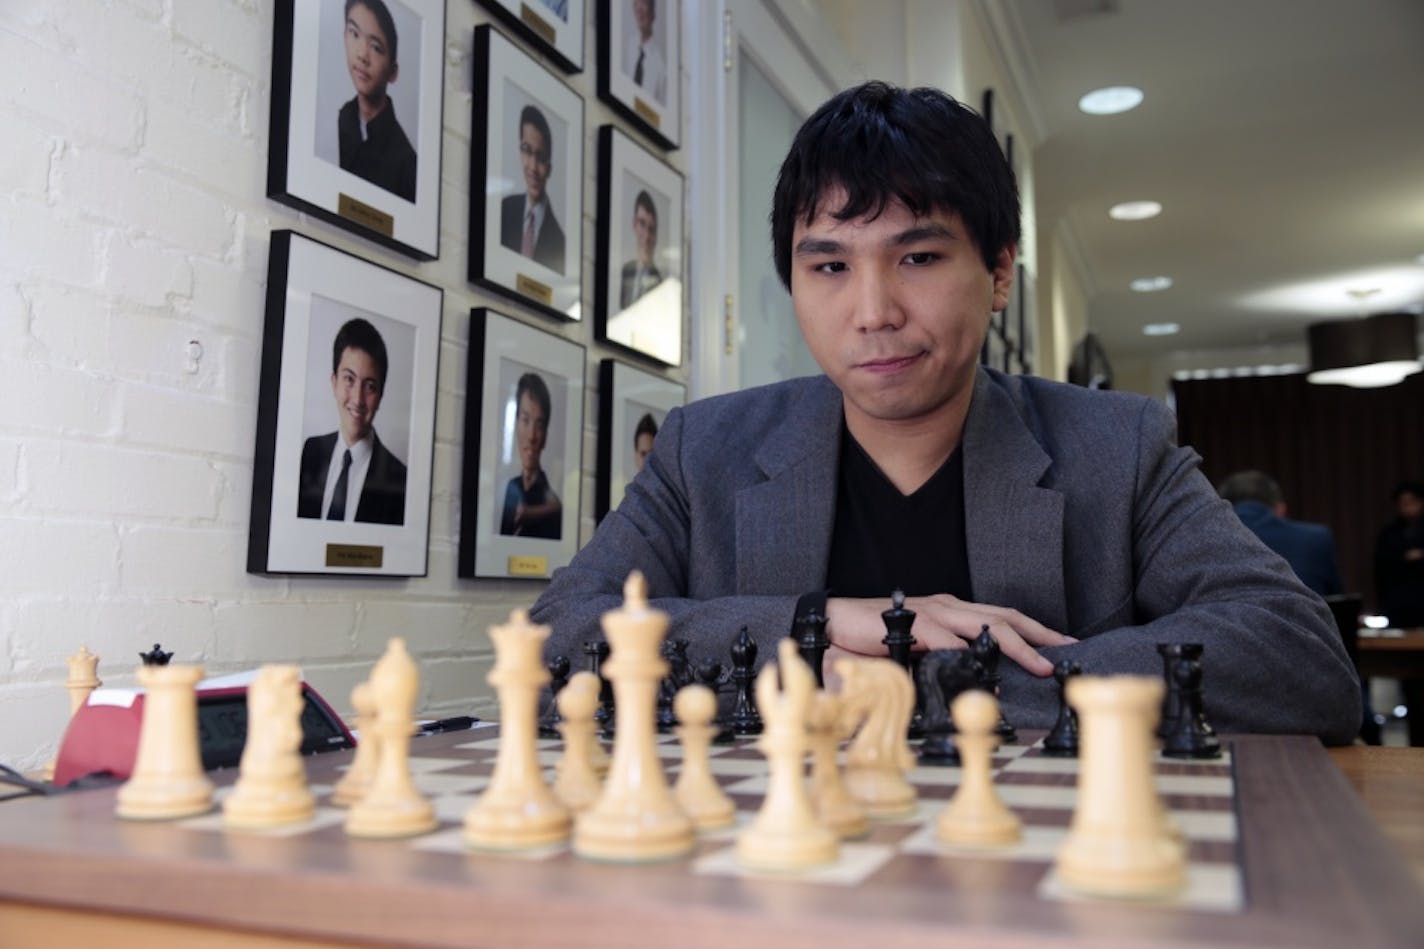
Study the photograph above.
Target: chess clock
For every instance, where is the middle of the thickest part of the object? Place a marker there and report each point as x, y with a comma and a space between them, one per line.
103, 735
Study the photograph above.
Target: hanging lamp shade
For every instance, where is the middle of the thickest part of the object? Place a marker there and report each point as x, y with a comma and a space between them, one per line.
1365, 352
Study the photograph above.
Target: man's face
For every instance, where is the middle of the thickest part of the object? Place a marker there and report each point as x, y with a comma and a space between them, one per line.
642, 448
531, 428
534, 160
645, 232
1409, 505
894, 309
368, 54
643, 17
356, 384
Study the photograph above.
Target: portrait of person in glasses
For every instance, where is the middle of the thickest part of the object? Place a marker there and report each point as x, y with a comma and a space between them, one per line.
527, 223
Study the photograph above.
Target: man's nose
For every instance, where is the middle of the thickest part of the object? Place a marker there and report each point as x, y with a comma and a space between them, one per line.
876, 306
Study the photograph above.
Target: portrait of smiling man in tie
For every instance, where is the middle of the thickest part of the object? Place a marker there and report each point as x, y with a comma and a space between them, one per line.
348, 475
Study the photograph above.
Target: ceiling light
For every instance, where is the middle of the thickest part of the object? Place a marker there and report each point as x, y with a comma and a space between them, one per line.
1151, 284
1367, 352
1111, 100
1134, 210
1161, 329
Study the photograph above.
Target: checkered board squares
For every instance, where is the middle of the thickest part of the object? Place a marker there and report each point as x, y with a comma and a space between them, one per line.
1042, 790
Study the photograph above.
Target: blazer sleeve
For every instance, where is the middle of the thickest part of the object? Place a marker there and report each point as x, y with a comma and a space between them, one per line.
1273, 660
689, 567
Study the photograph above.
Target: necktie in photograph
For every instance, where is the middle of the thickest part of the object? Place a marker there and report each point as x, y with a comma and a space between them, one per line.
527, 248
337, 511
638, 69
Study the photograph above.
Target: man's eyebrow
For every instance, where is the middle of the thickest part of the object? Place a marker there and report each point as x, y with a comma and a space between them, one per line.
809, 246
924, 233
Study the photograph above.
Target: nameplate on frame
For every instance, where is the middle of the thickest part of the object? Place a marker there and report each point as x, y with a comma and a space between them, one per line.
537, 23
521, 565
647, 113
354, 555
534, 289
365, 215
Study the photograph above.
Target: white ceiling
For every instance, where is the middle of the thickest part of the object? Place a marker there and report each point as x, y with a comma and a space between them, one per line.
1284, 138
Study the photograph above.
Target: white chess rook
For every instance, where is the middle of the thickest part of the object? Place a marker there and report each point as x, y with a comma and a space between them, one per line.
1118, 844
168, 780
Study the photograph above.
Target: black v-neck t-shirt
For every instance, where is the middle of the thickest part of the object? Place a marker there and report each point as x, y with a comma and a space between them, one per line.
884, 540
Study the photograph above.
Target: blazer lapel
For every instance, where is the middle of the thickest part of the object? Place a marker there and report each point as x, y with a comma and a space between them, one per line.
783, 524
1013, 527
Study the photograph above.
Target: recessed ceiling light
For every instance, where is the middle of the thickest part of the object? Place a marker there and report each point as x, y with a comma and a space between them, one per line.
1134, 210
1111, 100
1150, 284
1161, 329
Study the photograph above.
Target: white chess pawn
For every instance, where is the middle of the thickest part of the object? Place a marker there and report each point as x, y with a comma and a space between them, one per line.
576, 779
975, 817
359, 774
697, 790
393, 806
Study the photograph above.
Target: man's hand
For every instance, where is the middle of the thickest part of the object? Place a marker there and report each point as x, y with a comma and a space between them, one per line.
942, 622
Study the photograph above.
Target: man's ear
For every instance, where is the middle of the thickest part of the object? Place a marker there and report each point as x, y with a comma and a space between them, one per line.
395, 73
1003, 274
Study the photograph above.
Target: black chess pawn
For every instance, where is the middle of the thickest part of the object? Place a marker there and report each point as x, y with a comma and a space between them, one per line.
155, 656
1062, 741
898, 642
559, 668
717, 678
605, 715
941, 676
745, 719
986, 649
811, 641
1187, 734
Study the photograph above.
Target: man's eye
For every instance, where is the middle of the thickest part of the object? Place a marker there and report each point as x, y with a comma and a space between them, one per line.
831, 266
921, 257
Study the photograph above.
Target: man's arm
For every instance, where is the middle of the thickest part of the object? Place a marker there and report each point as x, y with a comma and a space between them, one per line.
1273, 661
652, 531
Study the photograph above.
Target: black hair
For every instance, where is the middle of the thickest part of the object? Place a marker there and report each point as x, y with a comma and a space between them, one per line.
1415, 488
360, 334
646, 426
645, 200
1251, 486
882, 143
383, 20
532, 384
531, 115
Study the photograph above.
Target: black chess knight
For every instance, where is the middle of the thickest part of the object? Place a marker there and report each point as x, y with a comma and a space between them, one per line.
941, 677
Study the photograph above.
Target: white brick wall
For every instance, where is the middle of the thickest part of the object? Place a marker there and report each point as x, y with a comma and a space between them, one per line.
133, 220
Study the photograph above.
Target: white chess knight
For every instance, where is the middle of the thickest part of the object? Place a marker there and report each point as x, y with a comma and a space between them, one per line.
879, 694
272, 787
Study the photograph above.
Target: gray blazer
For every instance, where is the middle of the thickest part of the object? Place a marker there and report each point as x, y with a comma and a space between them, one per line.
1080, 511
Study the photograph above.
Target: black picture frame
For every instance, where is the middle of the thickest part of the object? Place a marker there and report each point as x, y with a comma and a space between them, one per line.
651, 99
511, 86
314, 291
554, 27
495, 539
638, 304
387, 188
628, 400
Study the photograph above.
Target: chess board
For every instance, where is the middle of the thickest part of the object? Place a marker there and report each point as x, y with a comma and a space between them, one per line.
1263, 867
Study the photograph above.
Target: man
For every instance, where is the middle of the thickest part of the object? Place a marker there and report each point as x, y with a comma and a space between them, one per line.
527, 223
359, 479
641, 274
1399, 558
1308, 548
642, 56
531, 508
1063, 519
370, 140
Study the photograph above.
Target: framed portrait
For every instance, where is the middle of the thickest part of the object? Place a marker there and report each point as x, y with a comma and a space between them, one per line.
345, 416
639, 280
632, 405
526, 180
555, 27
519, 489
357, 117
639, 65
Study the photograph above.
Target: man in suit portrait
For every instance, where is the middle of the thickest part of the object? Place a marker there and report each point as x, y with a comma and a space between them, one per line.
527, 223
1308, 548
348, 475
1065, 522
641, 274
643, 60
